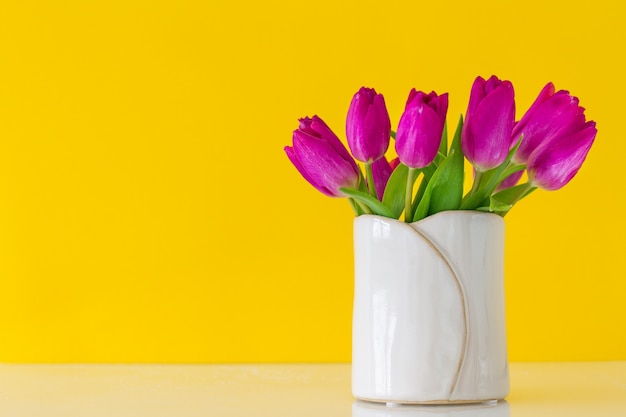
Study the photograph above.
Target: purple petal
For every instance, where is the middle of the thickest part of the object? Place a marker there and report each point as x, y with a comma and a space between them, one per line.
411, 97
378, 129
442, 108
354, 125
476, 96
329, 136
382, 171
294, 160
510, 181
546, 92
323, 164
492, 83
418, 137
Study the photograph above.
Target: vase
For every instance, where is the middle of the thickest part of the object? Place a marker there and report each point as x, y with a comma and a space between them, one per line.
428, 318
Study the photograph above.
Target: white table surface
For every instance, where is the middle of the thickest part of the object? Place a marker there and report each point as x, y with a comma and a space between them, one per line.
592, 389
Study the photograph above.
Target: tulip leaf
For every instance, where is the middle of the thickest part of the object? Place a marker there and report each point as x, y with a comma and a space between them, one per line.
443, 147
420, 191
510, 170
376, 206
508, 195
497, 207
362, 183
393, 134
394, 197
357, 209
422, 207
447, 191
507, 198
456, 140
428, 172
491, 179
438, 181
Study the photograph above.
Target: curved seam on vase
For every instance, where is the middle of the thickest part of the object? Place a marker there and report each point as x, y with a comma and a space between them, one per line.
461, 289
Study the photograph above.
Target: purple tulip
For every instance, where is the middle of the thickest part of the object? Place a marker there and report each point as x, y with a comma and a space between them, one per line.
321, 158
550, 117
382, 171
368, 126
486, 135
553, 165
420, 128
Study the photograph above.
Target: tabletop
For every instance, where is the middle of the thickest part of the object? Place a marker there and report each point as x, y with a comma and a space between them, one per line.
323, 390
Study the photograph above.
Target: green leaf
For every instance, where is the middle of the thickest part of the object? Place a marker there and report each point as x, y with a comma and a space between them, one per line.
508, 195
424, 205
362, 182
443, 148
393, 134
428, 172
395, 190
496, 206
511, 170
376, 206
357, 209
437, 181
447, 191
491, 180
456, 140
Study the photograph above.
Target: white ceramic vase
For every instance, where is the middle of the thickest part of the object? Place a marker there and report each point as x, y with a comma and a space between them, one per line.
428, 320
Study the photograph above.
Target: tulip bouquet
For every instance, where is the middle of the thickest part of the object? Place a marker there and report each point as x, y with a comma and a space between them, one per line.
550, 142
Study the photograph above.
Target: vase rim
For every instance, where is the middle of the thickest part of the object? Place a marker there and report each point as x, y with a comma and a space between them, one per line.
445, 213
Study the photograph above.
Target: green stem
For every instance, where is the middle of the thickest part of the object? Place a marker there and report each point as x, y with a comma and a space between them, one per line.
472, 199
370, 179
408, 197
476, 185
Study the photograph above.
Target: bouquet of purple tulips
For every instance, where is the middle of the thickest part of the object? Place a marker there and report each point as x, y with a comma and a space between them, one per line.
550, 142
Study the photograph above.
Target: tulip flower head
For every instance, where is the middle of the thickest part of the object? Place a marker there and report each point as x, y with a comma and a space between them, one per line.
420, 128
550, 117
486, 135
368, 126
554, 165
321, 158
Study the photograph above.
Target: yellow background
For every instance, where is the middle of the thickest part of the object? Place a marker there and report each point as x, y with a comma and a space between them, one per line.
149, 214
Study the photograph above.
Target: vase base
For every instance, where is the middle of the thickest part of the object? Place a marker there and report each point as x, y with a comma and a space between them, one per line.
430, 402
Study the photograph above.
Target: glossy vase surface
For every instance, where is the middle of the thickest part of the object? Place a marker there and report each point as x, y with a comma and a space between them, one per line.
428, 319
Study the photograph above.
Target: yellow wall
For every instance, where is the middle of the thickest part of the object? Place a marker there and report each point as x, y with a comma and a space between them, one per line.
148, 213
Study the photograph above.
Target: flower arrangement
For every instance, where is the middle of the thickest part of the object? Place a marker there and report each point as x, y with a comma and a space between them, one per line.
550, 142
